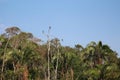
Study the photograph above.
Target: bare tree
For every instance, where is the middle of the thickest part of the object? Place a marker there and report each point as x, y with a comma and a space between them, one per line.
48, 51
58, 53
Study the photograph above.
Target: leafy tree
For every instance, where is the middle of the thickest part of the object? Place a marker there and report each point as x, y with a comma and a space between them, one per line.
22, 57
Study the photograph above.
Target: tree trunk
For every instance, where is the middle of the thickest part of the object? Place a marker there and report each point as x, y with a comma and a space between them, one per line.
25, 73
72, 73
48, 60
56, 70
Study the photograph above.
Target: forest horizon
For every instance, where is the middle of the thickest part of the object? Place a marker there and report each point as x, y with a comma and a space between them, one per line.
59, 39
25, 57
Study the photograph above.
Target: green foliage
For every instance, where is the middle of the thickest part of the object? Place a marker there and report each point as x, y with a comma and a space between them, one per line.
25, 59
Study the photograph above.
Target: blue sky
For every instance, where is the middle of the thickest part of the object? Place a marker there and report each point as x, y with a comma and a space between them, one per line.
74, 21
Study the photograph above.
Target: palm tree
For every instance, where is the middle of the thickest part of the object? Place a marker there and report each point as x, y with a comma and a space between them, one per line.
95, 56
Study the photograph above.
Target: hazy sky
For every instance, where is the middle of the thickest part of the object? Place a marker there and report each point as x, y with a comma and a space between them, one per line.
74, 21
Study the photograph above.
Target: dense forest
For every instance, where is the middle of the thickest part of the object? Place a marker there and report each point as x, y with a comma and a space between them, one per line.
25, 57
